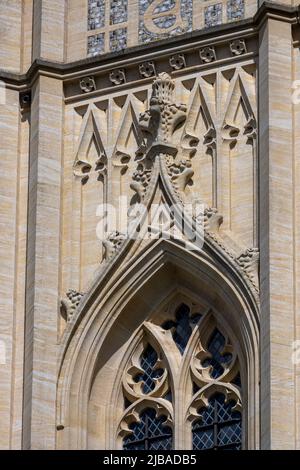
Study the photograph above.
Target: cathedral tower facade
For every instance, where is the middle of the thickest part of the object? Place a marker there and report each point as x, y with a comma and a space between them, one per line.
150, 221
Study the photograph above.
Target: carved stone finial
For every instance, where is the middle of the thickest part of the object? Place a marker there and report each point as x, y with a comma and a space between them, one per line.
162, 118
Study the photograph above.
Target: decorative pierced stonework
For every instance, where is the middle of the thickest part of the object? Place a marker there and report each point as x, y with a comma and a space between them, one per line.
147, 69
210, 139
163, 116
177, 61
118, 39
96, 14
112, 244
207, 54
118, 11
87, 84
95, 45
238, 47
70, 304
213, 15
235, 10
164, 18
117, 77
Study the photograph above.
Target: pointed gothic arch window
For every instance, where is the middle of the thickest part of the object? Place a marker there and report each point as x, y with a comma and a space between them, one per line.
187, 357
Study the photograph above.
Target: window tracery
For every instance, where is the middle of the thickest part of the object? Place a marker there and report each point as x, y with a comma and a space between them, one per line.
189, 343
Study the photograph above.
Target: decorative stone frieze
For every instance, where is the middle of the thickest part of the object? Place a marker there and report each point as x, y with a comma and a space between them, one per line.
238, 47
207, 54
147, 69
117, 77
87, 84
177, 61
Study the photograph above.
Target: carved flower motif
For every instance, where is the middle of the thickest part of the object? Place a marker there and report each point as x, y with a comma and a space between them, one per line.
117, 77
177, 61
87, 84
207, 54
147, 69
238, 47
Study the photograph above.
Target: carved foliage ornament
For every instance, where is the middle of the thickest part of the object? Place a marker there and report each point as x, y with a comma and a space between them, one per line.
70, 304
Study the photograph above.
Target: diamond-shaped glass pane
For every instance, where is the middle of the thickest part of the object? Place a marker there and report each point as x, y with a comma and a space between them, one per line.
230, 434
149, 433
219, 427
203, 439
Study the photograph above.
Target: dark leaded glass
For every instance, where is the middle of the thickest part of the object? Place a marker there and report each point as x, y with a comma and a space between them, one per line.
219, 427
182, 327
149, 433
218, 359
148, 361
